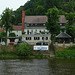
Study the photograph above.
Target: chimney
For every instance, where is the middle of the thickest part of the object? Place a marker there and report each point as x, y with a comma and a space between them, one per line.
23, 19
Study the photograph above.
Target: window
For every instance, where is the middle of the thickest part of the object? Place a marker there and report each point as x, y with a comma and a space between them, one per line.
35, 24
46, 38
36, 31
40, 31
31, 31
31, 24
36, 38
42, 38
44, 30
60, 24
44, 24
27, 24
27, 31
28, 38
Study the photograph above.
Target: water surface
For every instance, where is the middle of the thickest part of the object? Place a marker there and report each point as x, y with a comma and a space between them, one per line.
37, 67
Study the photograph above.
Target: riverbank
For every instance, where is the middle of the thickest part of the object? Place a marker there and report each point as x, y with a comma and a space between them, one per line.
68, 53
10, 53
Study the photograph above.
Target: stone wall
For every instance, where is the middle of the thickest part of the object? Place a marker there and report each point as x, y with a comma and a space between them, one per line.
8, 48
61, 46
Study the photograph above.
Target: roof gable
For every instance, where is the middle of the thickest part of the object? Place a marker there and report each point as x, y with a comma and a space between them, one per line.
63, 35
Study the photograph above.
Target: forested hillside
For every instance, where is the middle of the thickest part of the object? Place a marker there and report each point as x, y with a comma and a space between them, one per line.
40, 7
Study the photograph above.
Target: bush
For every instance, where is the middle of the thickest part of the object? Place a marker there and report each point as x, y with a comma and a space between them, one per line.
12, 35
23, 49
65, 54
72, 47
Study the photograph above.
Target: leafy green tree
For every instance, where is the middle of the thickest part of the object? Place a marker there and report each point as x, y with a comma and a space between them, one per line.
70, 28
52, 25
6, 20
2, 34
39, 10
70, 18
12, 35
23, 49
69, 6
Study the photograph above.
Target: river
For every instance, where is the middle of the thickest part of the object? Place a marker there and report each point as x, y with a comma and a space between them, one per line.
37, 67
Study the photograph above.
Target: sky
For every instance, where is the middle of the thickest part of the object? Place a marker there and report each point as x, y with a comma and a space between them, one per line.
11, 4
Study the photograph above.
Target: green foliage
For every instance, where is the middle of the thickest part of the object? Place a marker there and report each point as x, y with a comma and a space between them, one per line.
70, 29
2, 34
23, 49
70, 6
38, 55
70, 18
40, 7
52, 25
6, 20
72, 47
39, 10
12, 35
65, 53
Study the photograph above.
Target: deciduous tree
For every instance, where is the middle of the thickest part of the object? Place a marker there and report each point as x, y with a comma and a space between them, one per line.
6, 20
52, 25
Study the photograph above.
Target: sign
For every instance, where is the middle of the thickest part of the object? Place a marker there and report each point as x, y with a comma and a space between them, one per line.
40, 47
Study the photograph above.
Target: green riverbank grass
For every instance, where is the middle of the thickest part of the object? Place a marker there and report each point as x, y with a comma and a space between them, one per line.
8, 55
69, 54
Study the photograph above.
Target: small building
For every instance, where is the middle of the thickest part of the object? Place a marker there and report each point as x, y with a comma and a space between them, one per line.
63, 37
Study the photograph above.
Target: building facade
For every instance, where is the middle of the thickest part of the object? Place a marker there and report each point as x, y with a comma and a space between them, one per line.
34, 28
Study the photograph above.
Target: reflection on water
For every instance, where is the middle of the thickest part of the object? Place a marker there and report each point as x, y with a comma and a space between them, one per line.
37, 67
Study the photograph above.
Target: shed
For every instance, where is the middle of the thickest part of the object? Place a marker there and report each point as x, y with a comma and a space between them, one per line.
63, 37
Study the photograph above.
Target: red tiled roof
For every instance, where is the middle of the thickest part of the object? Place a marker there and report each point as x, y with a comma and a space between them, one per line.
1, 29
17, 27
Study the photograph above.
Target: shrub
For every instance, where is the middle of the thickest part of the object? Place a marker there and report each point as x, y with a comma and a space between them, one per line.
12, 35
72, 47
23, 49
65, 54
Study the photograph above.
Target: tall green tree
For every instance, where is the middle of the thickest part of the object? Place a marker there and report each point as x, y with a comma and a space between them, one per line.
52, 25
39, 10
6, 20
70, 28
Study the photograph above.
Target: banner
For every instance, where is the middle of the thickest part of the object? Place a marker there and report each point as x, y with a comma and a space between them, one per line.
40, 47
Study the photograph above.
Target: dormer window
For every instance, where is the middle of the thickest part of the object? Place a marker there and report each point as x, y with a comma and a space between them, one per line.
35, 24
31, 24
60, 24
27, 24
44, 24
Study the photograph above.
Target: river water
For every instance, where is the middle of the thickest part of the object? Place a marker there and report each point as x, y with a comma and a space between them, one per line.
37, 67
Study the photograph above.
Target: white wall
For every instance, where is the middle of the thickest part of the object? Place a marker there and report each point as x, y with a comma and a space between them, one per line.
17, 32
35, 30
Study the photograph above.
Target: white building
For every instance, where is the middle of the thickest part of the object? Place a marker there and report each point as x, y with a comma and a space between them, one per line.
35, 30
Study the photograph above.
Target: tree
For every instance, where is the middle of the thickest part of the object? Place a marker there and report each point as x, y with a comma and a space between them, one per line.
70, 28
39, 10
23, 49
2, 34
69, 7
6, 20
52, 25
12, 35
